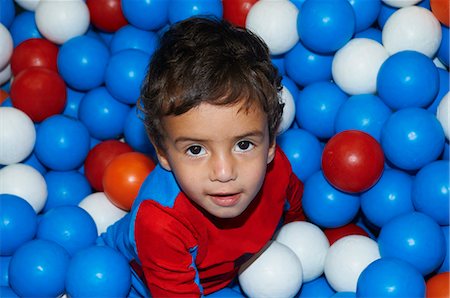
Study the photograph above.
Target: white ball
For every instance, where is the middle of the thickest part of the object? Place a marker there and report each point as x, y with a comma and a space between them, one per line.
59, 21
310, 245
26, 182
443, 114
412, 28
346, 259
5, 74
276, 272
276, 23
28, 4
17, 135
401, 3
6, 48
288, 110
356, 65
101, 210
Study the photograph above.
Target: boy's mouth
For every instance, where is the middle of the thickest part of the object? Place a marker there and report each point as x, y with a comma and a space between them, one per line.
225, 199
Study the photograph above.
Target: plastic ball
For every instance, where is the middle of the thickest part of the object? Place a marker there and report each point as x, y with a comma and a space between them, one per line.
310, 245
7, 13
25, 182
275, 272
334, 234
34, 162
444, 88
7, 292
443, 53
24, 27
146, 15
98, 271
39, 92
364, 112
415, 238
65, 188
287, 98
317, 107
412, 138
98, 159
62, 143
124, 176
18, 223
441, 10
366, 13
370, 33
346, 260
183, 9
276, 23
445, 264
7, 46
102, 114
38, 268
28, 4
408, 79
5, 74
356, 65
106, 15
103, 212
135, 133
236, 11
401, 3
303, 150
69, 226
352, 161
306, 67
443, 110
431, 189
72, 103
130, 37
318, 287
438, 285
34, 52
390, 277
124, 74
17, 135
325, 205
412, 28
4, 275
326, 26
59, 21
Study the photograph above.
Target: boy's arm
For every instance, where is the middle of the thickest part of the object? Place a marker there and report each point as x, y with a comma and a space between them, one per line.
167, 251
294, 197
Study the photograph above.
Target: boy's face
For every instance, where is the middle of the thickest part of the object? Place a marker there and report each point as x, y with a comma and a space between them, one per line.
219, 155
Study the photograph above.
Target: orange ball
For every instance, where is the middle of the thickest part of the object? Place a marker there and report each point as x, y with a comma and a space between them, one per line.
3, 95
124, 176
438, 286
440, 9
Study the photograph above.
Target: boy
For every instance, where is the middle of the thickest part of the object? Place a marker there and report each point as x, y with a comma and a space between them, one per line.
222, 186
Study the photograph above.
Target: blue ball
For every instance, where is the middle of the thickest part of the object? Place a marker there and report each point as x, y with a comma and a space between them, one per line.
62, 143
124, 74
102, 114
407, 79
365, 112
135, 133
412, 138
443, 53
388, 198
70, 226
445, 264
366, 13
326, 206
38, 268
385, 12
183, 9
98, 271
225, 293
444, 88
370, 33
289, 84
4, 271
415, 238
431, 189
343, 295
82, 62
73, 103
390, 277
305, 67
18, 223
7, 13
131, 37
65, 188
33, 161
317, 107
278, 62
324, 26
7, 292
303, 150
317, 288
24, 27
146, 15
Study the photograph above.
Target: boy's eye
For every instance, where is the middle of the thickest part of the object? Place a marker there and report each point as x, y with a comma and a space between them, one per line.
195, 150
244, 146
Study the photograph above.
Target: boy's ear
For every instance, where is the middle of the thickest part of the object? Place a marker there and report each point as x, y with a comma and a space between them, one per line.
271, 152
162, 158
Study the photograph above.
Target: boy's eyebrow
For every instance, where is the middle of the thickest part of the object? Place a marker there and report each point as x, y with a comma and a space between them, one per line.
254, 133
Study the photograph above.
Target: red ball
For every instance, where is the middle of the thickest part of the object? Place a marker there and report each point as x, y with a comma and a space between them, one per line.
39, 92
236, 11
98, 159
106, 15
352, 161
334, 234
34, 52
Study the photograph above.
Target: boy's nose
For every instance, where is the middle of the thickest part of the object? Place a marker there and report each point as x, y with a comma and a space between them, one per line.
222, 168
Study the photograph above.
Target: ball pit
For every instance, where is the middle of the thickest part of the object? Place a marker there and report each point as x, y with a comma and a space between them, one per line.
378, 67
